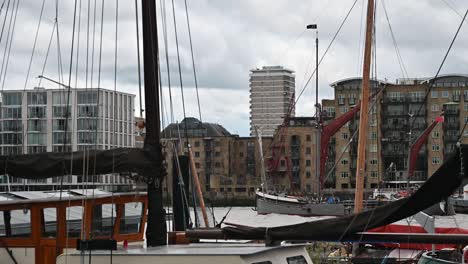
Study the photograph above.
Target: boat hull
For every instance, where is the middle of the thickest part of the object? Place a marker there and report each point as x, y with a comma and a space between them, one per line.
439, 258
266, 205
460, 205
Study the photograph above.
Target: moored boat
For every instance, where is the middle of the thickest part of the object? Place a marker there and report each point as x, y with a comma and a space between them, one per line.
269, 203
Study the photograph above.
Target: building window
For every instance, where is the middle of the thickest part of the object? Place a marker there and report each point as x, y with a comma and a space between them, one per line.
435, 160
435, 107
445, 94
344, 149
374, 174
217, 164
435, 147
308, 163
344, 109
465, 107
308, 174
344, 161
374, 162
241, 154
374, 135
217, 154
197, 154
373, 148
344, 175
307, 137
197, 143
344, 135
197, 165
341, 99
283, 163
434, 94
308, 150
435, 134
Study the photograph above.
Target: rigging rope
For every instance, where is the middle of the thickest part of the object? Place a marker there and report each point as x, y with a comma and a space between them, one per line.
138, 57
92, 46
11, 42
193, 62
323, 56
78, 45
432, 81
164, 26
34, 45
180, 73
404, 72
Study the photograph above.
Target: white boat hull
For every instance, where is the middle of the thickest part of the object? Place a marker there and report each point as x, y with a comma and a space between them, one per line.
196, 254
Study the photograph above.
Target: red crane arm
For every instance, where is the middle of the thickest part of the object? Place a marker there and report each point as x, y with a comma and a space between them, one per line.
414, 150
327, 132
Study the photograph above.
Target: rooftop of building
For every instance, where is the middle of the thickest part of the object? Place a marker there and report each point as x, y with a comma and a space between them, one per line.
445, 79
303, 121
194, 128
354, 80
277, 68
43, 89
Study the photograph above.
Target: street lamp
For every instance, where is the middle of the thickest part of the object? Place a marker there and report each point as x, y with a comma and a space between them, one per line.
314, 26
318, 111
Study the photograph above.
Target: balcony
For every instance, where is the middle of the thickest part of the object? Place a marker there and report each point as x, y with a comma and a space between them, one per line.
452, 125
390, 152
394, 100
416, 99
395, 113
295, 154
451, 112
451, 138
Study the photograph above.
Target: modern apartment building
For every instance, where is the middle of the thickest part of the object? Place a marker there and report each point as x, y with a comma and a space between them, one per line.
54, 120
399, 116
271, 94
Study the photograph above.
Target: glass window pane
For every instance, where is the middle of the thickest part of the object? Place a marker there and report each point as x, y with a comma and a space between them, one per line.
131, 218
20, 223
49, 228
103, 219
74, 217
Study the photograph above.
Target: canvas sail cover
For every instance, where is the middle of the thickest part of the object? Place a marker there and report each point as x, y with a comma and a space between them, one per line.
438, 187
137, 162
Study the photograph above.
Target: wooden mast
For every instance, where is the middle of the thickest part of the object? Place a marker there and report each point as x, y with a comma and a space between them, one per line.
363, 115
156, 230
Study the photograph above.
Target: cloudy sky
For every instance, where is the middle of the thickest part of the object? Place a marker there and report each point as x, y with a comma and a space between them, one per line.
229, 38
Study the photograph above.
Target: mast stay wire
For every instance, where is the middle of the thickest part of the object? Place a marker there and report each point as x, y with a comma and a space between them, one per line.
138, 58
47, 53
78, 45
193, 63
9, 39
4, 20
431, 82
67, 110
323, 56
180, 73
395, 43
93, 45
164, 27
360, 41
34, 45
100, 45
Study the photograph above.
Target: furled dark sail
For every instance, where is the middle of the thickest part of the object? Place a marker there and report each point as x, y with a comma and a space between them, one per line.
439, 186
46, 165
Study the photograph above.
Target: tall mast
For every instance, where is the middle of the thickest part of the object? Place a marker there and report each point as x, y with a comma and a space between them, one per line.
363, 115
156, 231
